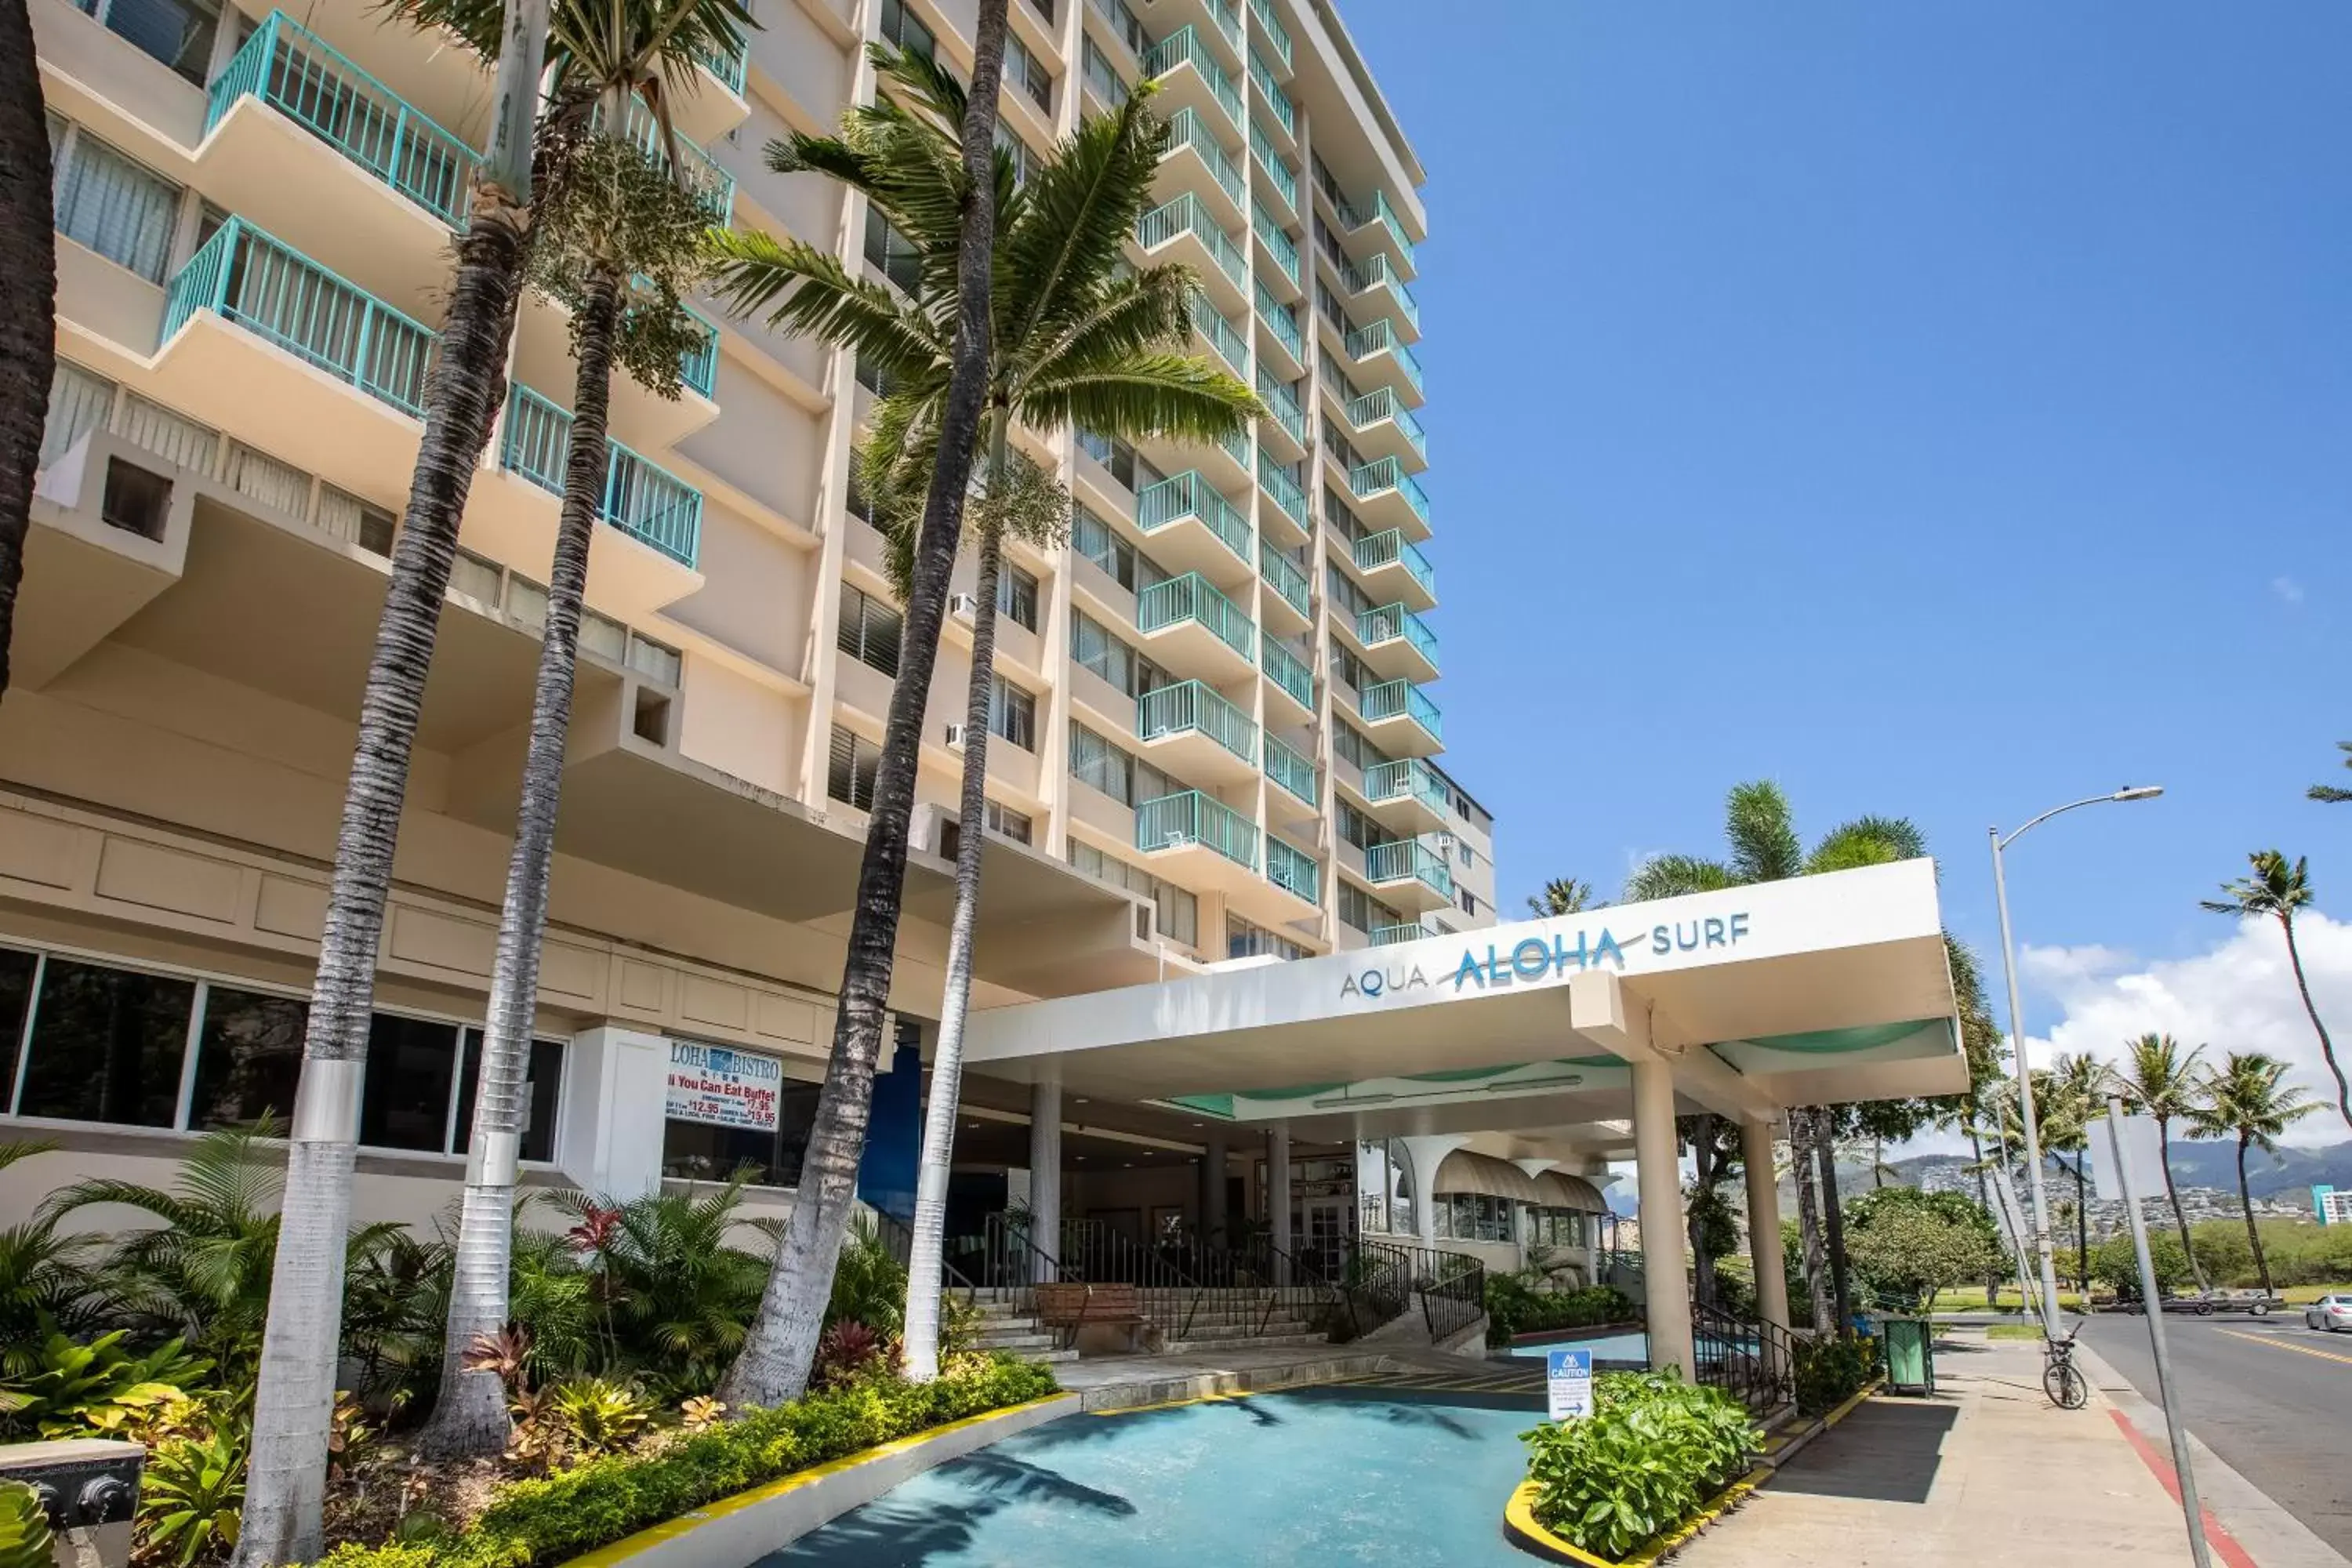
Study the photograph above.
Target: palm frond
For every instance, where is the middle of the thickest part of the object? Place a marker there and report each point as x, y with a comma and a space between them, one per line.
1673, 875
1081, 207
804, 290
1170, 394
1866, 841
1762, 832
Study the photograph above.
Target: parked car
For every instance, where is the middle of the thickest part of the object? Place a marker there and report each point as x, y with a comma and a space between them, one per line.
2333, 1314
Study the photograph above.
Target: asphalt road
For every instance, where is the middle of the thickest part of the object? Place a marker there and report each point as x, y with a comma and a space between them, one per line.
2273, 1398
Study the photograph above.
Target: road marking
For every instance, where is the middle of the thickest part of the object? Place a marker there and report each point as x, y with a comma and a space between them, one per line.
2280, 1342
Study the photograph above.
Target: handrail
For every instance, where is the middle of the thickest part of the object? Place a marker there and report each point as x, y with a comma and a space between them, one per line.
1752, 1360
898, 1239
1006, 1261
1386, 1277
1256, 1274
1168, 1296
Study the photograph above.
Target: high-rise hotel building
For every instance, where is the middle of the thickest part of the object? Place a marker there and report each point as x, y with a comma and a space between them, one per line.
1216, 723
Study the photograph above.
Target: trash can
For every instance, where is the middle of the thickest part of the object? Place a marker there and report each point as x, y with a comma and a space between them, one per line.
1910, 1346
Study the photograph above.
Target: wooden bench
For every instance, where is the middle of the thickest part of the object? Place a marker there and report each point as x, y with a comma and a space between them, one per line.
1072, 1306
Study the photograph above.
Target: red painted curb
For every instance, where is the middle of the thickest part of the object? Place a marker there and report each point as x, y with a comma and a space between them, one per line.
2220, 1540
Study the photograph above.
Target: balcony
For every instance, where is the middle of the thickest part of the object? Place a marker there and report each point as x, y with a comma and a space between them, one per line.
1388, 497
1220, 335
1279, 175
1288, 679
1191, 731
1374, 283
1407, 796
1292, 771
1287, 353
1378, 224
1200, 166
1192, 528
1379, 351
1392, 569
1385, 427
1190, 76
1280, 248
1282, 409
1185, 230
1269, 90
1198, 841
646, 503
1390, 935
712, 184
1410, 874
1294, 870
1397, 643
1289, 584
1188, 624
1284, 491
1401, 719
1270, 28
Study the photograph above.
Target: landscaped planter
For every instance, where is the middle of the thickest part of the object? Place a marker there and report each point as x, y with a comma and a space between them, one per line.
1519, 1522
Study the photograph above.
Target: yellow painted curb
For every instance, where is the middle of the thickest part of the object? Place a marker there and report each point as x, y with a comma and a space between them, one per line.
630, 1546
1843, 1411
1519, 1522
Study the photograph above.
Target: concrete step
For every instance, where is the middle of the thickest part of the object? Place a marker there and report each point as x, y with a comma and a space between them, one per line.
1283, 1330
1023, 1342
1271, 1341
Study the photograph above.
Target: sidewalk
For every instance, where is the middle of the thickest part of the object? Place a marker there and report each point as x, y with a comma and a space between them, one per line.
1985, 1472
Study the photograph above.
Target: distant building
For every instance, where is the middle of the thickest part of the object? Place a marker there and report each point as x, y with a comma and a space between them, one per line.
2331, 1206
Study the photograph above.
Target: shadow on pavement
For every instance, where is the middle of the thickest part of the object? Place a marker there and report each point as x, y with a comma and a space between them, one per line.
1886, 1451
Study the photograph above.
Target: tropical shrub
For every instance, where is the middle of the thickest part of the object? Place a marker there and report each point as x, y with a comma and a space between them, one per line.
193, 1495
869, 1285
597, 1416
1653, 1448
100, 1389
553, 1520
1513, 1307
665, 1294
1831, 1371
1908, 1244
25, 1541
45, 1281
846, 1352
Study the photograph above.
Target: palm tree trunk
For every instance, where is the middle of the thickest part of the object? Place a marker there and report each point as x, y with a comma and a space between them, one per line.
2326, 1046
1695, 1217
1834, 1216
28, 297
471, 1417
1806, 1167
924, 1264
2172, 1193
2246, 1207
782, 1341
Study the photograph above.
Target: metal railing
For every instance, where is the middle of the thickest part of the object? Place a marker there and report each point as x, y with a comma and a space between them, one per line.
1277, 170
1374, 271
1261, 78
1188, 818
1194, 705
1384, 781
299, 74
898, 1240
644, 501
1382, 1280
1294, 870
1092, 1253
1281, 320
1381, 336
1280, 246
1387, 474
1392, 548
1383, 404
1194, 597
1185, 129
1190, 494
1752, 1360
1223, 335
1284, 577
1400, 700
1282, 404
1256, 1284
1288, 670
1276, 33
1187, 215
1409, 859
1183, 47
726, 62
1389, 623
1282, 489
711, 185
283, 297
1296, 774
1390, 935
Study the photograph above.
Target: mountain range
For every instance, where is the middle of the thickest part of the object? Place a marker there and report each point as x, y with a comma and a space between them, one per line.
2195, 1163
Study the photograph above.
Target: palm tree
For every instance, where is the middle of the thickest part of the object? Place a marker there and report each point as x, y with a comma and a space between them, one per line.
620, 236
781, 1344
1563, 896
1762, 834
2249, 1099
2079, 1084
2168, 1086
2279, 889
46, 1283
294, 1401
28, 297
1088, 341
2331, 792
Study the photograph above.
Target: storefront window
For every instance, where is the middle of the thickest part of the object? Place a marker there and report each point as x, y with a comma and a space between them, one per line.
106, 1046
734, 1111
542, 1081
248, 1057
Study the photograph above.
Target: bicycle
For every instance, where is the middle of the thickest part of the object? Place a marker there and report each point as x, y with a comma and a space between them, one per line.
2062, 1380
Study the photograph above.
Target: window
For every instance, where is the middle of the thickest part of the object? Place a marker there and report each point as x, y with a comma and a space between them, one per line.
1463, 850
1360, 830
106, 1044
115, 207
1095, 647
1119, 458
1363, 912
79, 402
1123, 23
768, 1152
1027, 72
18, 972
248, 1057
1468, 899
1472, 1216
1348, 743
542, 1082
1009, 142
1013, 825
894, 255
849, 771
1012, 714
869, 631
412, 1068
174, 438
1350, 671
1176, 914
902, 28
1096, 539
1016, 596
175, 31
1346, 599
1244, 939
1100, 75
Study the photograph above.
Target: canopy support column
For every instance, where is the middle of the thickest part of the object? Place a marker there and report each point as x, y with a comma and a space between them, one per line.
1045, 1171
1662, 1252
1277, 1197
1764, 1223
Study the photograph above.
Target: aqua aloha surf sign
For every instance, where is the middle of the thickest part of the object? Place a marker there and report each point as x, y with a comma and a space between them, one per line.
1534, 959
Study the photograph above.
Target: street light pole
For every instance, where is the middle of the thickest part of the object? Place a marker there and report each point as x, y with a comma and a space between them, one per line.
2025, 1114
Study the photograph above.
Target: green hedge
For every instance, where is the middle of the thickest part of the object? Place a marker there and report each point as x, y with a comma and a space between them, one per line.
1514, 1307
544, 1521
1652, 1450
1830, 1371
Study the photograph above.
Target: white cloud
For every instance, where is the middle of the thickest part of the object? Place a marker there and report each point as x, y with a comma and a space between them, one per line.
2237, 995
2288, 590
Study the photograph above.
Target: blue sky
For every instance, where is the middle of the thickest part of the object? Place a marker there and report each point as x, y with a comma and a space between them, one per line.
1943, 410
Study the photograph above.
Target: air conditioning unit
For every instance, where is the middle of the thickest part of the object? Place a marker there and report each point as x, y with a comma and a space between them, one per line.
955, 737
964, 606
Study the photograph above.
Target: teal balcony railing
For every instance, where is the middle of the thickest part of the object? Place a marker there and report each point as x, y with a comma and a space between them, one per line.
1375, 272
1387, 215
283, 297
1237, 445
726, 63
1288, 670
1282, 404
1194, 597
1281, 320
1400, 700
1390, 935
1276, 35
1389, 623
1191, 705
1282, 489
1284, 577
1381, 337
1185, 129
1409, 859
1261, 77
1382, 403
1294, 870
1280, 246
1179, 821
1384, 474
1227, 15
646, 503
1291, 770
698, 368
1184, 48
714, 185
1185, 215
1409, 779
294, 71
1277, 170
1223, 335
1375, 551
1188, 494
